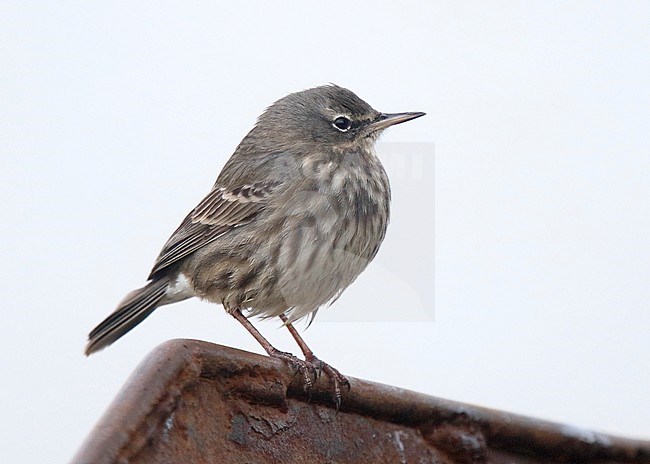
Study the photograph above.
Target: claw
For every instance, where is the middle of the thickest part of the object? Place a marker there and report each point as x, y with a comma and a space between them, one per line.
337, 402
307, 369
346, 382
336, 379
311, 369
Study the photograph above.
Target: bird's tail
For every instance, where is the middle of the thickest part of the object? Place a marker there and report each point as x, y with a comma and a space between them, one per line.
132, 310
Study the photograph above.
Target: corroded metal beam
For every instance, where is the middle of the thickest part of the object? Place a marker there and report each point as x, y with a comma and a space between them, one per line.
192, 401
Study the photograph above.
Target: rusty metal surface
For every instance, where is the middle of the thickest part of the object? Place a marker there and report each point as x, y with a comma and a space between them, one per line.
192, 401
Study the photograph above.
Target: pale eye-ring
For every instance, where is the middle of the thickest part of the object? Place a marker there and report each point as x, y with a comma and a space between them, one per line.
342, 123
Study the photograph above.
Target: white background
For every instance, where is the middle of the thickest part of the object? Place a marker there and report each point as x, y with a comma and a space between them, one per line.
116, 117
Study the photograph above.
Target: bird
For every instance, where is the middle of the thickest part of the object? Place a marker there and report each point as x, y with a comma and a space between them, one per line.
296, 214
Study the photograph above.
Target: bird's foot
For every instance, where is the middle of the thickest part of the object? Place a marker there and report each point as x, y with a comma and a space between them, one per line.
336, 378
305, 368
311, 369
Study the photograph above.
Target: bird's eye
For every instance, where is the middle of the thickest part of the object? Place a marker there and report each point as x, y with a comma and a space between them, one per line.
342, 123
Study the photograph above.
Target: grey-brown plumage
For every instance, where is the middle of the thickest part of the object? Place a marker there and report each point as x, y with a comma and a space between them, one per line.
298, 211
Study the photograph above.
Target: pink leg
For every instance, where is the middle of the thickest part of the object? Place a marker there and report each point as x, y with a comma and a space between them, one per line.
306, 368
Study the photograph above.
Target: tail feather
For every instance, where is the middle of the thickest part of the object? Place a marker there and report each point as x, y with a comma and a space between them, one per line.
130, 312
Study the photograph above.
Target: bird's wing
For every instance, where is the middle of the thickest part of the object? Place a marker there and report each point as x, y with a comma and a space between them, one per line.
220, 211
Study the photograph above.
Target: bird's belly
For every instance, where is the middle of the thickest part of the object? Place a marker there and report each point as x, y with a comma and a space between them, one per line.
314, 261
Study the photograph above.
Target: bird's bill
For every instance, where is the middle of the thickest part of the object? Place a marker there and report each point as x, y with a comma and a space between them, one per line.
390, 119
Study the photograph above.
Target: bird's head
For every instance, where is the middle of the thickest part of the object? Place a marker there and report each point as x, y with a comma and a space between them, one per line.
329, 115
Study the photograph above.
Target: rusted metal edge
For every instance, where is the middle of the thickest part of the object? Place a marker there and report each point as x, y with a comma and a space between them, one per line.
152, 392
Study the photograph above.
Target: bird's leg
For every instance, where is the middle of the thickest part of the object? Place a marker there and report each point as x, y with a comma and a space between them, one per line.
306, 368
335, 376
